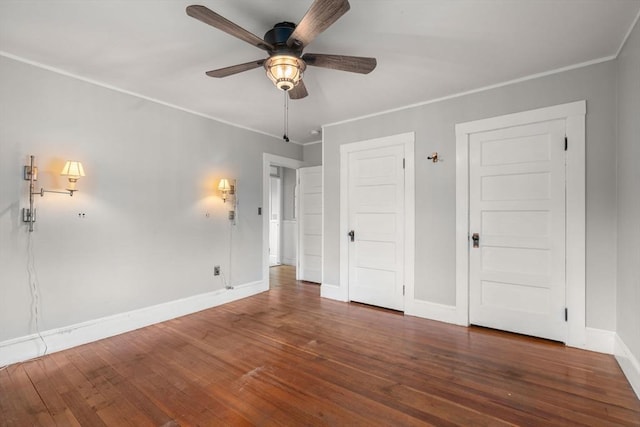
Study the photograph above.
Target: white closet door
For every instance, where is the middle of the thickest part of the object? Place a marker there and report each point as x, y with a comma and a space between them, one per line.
310, 219
517, 214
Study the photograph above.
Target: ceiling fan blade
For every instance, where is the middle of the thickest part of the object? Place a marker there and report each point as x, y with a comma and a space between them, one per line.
318, 18
354, 64
235, 69
208, 16
299, 91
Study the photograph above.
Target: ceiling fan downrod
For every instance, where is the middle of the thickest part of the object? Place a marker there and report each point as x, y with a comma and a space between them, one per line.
285, 137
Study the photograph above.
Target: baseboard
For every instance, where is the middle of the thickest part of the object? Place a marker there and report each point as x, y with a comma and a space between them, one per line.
599, 340
433, 311
628, 363
30, 346
333, 292
289, 261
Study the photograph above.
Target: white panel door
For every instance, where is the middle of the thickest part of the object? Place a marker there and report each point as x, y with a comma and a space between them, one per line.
376, 218
310, 217
274, 221
517, 209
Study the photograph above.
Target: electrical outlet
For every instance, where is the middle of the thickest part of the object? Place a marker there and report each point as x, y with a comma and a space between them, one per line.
216, 270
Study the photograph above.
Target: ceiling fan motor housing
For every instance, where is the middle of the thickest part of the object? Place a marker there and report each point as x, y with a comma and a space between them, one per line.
284, 66
279, 34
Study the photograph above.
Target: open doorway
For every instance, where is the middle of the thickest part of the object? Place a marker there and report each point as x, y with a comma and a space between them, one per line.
280, 225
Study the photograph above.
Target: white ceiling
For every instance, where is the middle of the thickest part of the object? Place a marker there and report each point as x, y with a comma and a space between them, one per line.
426, 49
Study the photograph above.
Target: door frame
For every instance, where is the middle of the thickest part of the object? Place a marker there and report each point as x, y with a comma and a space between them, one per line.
269, 160
408, 141
574, 115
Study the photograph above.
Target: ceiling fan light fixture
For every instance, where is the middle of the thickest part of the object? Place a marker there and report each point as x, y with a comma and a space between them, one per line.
285, 71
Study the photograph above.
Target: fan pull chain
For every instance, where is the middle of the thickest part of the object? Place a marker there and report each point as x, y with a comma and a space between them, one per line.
286, 116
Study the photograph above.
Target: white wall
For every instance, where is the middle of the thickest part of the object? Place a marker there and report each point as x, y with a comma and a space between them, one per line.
433, 125
154, 224
628, 295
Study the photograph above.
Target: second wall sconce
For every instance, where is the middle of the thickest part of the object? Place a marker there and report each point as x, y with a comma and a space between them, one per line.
73, 170
227, 189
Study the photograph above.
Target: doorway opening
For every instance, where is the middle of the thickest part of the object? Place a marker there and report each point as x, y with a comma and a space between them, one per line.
279, 222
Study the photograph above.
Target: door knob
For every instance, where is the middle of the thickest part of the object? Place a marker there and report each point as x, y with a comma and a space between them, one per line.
352, 235
476, 240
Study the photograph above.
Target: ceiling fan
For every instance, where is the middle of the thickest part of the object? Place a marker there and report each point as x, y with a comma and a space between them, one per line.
285, 42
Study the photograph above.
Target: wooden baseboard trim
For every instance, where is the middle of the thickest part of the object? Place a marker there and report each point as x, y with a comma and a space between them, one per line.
30, 346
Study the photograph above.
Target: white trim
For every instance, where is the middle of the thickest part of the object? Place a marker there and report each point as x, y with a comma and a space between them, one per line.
408, 141
574, 113
322, 235
312, 142
30, 346
473, 91
268, 160
628, 363
431, 310
137, 95
600, 340
629, 31
335, 292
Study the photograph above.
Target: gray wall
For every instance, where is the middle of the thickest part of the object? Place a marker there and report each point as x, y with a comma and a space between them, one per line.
434, 124
629, 193
154, 223
288, 189
312, 154
289, 235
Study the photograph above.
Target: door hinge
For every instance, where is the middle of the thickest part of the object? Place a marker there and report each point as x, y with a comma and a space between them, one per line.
566, 314
566, 143
402, 290
402, 163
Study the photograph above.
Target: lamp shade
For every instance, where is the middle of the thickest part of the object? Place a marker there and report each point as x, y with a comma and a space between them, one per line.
224, 185
72, 169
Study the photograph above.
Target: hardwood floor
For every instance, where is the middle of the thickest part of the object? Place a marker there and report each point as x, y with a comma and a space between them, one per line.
287, 357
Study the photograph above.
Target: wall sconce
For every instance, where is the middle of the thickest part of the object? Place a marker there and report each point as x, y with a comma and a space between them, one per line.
72, 169
228, 190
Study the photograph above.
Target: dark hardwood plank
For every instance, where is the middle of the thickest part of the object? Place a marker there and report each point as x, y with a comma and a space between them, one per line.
288, 357
22, 404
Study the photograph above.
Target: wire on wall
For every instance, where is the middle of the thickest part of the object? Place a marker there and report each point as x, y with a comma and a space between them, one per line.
32, 275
